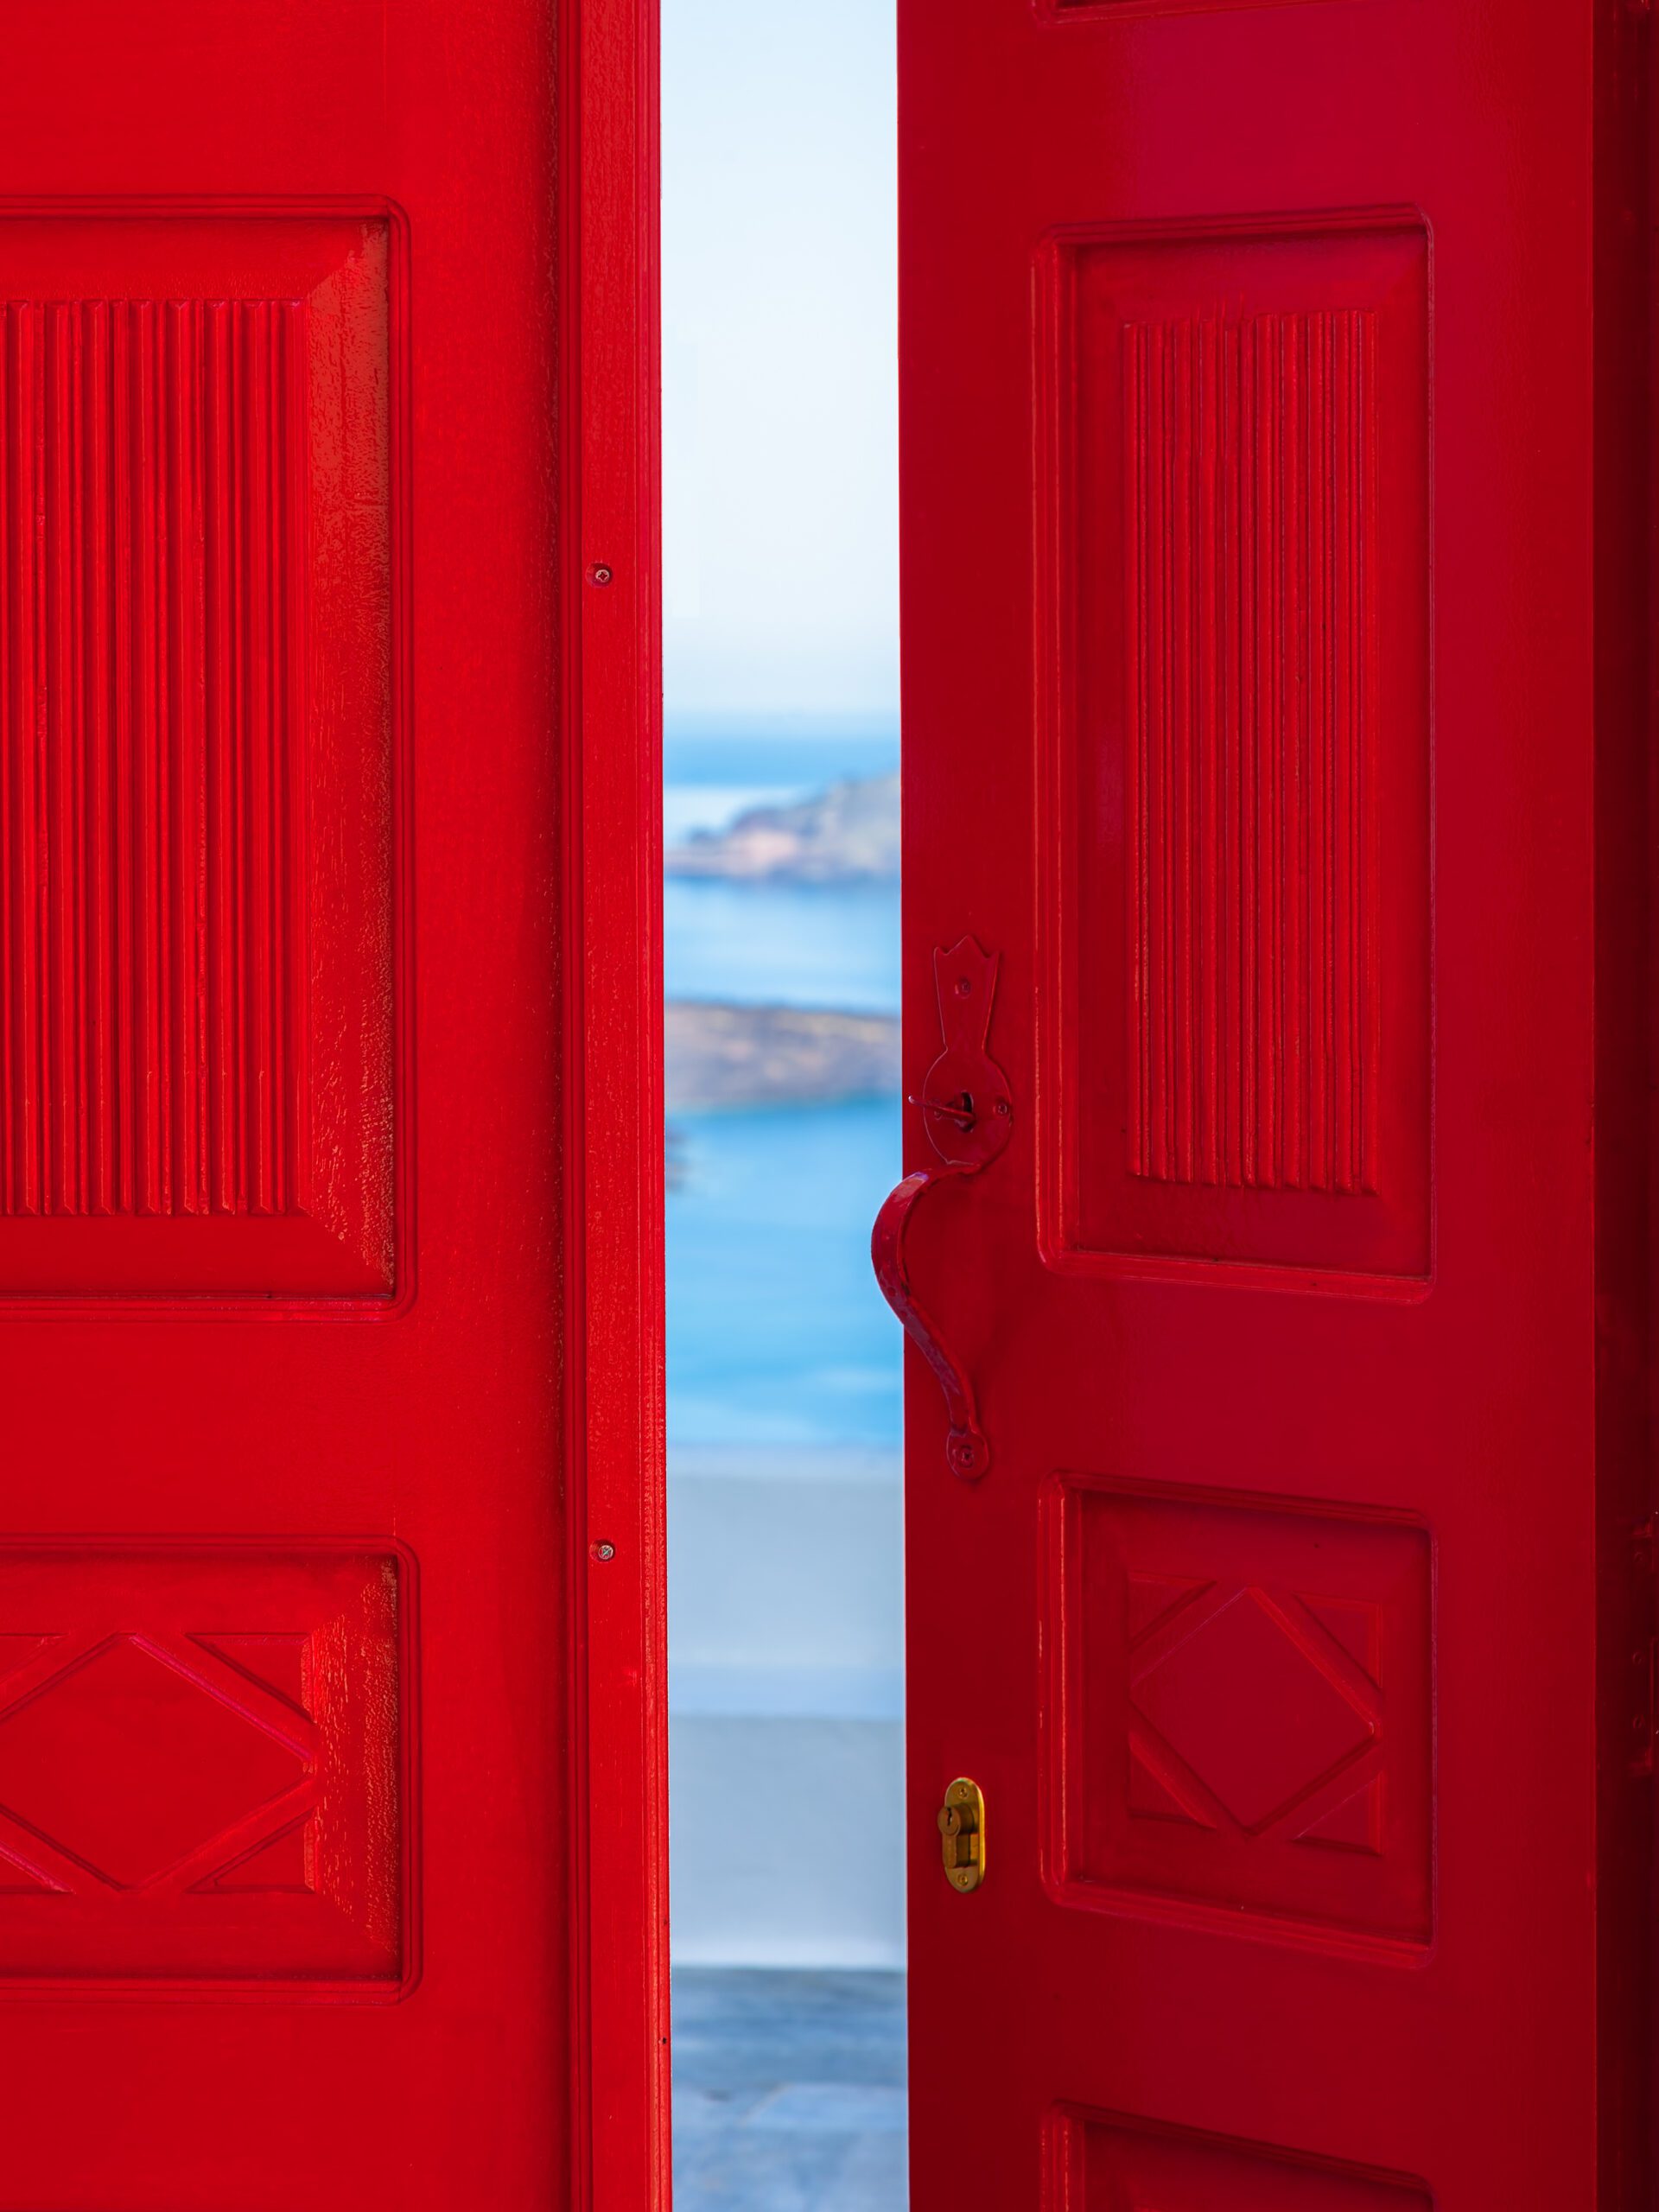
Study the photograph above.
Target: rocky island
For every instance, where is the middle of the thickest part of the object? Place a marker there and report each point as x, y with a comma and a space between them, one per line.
720, 1055
848, 834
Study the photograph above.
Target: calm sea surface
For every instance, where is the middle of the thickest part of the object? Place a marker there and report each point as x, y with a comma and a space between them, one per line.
776, 1332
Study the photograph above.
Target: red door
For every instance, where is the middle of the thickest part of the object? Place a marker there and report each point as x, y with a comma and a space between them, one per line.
293, 1564
1274, 500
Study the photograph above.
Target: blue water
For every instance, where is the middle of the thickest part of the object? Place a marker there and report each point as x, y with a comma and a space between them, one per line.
776, 1332
804, 753
783, 944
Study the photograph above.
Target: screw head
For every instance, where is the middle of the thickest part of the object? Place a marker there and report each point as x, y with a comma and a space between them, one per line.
602, 574
604, 1551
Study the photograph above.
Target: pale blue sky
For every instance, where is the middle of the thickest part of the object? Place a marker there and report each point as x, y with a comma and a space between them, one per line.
780, 487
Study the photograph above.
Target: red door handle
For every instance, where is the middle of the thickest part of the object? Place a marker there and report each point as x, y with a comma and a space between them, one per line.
966, 1448
969, 1117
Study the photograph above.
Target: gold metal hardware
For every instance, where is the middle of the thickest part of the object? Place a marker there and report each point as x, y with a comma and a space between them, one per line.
962, 1827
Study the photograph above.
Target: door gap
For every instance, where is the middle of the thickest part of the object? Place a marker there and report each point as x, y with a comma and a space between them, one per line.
784, 1105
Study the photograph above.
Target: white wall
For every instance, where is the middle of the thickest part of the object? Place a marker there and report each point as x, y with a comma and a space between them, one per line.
786, 1697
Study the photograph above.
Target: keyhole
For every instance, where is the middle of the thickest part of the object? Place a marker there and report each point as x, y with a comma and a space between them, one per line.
960, 1109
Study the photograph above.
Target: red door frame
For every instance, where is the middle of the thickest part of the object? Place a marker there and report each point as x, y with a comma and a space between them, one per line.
613, 1167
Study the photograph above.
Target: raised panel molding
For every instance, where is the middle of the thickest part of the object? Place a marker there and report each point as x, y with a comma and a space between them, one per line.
205, 1758
1104, 2163
1235, 498
1244, 1700
200, 750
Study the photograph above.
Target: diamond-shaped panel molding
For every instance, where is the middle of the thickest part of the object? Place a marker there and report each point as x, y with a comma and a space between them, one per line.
1250, 1712
203, 1754
1247, 1689
127, 1764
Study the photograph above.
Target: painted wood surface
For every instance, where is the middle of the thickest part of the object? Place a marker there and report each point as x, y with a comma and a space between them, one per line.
331, 1772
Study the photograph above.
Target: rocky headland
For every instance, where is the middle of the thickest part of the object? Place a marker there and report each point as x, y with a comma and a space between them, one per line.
717, 1055
848, 834
723, 1055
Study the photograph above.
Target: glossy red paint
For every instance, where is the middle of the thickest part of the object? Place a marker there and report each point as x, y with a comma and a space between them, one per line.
1275, 504
969, 1117
330, 1749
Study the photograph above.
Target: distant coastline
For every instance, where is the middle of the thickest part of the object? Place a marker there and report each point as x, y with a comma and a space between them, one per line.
847, 833
725, 1054
718, 1055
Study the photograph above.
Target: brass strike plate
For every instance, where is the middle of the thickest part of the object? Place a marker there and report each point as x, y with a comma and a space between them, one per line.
962, 1831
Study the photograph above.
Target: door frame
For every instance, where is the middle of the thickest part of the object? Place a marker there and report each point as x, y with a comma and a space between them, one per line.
612, 1183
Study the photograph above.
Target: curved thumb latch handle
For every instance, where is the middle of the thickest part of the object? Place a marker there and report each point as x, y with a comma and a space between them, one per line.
966, 1448
969, 1115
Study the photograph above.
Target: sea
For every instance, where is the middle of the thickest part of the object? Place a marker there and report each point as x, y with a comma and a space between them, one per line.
777, 1335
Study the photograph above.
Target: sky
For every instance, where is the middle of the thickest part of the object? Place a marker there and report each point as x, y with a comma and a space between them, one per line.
779, 333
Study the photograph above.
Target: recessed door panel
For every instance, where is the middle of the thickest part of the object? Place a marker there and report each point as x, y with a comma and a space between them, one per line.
1108, 2165
1242, 779
1241, 1699
199, 754
205, 1762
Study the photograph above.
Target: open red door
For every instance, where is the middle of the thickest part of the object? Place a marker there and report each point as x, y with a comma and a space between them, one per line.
325, 438
1275, 441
